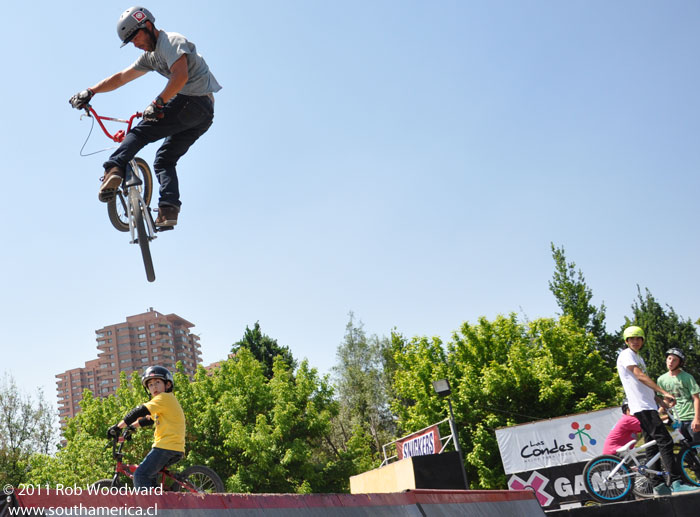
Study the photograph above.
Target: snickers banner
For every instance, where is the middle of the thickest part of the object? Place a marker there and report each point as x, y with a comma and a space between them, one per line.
421, 443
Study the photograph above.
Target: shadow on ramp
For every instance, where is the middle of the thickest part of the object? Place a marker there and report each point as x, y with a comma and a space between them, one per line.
414, 503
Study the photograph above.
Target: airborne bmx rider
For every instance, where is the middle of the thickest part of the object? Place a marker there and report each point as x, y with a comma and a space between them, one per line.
180, 114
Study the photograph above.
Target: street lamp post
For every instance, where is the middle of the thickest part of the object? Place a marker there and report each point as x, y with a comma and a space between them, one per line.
442, 388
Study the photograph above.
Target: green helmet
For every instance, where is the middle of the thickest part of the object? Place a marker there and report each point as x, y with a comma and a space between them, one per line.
633, 332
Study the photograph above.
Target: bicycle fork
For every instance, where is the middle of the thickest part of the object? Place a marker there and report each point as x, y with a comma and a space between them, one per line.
131, 180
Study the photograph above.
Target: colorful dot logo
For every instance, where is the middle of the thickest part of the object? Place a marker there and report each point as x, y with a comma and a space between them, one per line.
581, 433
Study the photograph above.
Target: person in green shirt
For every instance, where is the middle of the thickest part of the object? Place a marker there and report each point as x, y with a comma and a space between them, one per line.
685, 389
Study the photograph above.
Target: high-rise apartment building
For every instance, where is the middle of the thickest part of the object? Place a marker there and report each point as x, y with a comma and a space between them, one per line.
140, 341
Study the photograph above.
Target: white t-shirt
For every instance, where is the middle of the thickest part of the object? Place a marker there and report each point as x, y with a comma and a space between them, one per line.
640, 397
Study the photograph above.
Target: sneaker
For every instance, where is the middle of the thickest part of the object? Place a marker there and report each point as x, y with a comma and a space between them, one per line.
167, 215
679, 488
662, 490
110, 183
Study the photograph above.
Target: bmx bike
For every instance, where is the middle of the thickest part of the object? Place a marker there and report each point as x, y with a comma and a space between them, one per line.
196, 479
610, 478
129, 210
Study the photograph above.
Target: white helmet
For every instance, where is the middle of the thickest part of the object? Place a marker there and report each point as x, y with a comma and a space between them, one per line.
131, 20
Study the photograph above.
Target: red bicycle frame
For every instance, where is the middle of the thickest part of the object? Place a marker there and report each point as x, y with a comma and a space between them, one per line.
119, 135
128, 469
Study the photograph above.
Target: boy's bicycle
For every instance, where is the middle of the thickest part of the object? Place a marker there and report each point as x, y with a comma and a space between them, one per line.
129, 210
609, 478
196, 479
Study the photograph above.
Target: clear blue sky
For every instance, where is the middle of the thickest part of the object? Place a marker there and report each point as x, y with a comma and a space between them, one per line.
410, 161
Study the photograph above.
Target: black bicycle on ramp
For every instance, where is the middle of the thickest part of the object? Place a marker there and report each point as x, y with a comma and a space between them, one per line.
129, 210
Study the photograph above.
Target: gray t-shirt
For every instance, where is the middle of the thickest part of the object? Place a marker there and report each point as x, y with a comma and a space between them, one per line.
169, 47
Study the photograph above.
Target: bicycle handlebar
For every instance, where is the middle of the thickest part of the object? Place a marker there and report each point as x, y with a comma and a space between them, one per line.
119, 135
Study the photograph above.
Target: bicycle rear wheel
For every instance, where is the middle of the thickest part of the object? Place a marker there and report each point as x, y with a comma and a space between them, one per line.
203, 479
137, 212
116, 207
600, 485
690, 464
116, 210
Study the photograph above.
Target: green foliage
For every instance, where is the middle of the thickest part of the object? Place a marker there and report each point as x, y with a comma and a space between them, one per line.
264, 349
502, 373
363, 387
26, 428
574, 299
82, 461
664, 329
272, 430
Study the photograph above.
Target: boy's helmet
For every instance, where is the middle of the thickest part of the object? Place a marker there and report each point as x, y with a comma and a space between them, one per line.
633, 332
158, 372
678, 353
131, 20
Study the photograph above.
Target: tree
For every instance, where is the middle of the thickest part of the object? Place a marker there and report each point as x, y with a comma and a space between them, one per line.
264, 349
27, 426
362, 392
574, 299
502, 373
664, 329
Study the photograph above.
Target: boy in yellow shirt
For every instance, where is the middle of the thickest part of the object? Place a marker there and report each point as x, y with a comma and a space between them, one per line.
164, 410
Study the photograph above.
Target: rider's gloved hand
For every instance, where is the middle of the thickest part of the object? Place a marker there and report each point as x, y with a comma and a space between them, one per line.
81, 99
114, 431
154, 111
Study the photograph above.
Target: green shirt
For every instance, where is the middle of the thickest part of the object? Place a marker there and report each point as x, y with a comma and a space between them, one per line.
683, 387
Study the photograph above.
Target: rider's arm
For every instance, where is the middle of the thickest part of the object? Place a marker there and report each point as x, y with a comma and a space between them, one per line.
668, 399
145, 422
695, 425
177, 80
133, 416
117, 80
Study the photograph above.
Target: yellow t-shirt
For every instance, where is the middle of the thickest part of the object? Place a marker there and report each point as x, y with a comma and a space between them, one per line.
170, 422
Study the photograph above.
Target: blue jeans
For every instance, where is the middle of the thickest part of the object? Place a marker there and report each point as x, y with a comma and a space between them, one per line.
185, 119
146, 475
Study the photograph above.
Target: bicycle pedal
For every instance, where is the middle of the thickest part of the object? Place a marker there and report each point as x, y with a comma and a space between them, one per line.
164, 228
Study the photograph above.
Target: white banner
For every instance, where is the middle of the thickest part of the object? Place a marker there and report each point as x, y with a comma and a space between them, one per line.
559, 441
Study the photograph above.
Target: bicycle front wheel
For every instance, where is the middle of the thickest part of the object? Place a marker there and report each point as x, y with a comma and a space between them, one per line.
203, 479
137, 212
105, 483
603, 486
690, 464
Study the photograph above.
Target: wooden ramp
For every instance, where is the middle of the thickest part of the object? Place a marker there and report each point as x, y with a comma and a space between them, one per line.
414, 503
